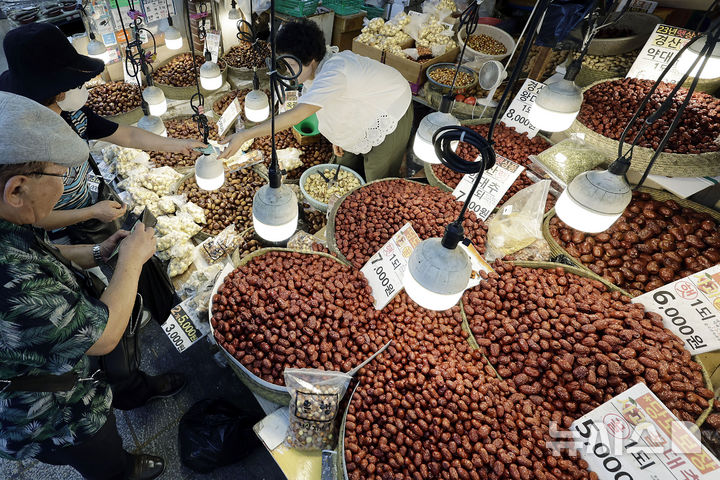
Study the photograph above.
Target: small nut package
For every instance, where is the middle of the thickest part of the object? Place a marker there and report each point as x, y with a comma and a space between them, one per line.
569, 158
315, 397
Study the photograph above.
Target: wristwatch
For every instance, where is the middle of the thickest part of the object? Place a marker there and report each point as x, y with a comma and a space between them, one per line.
97, 256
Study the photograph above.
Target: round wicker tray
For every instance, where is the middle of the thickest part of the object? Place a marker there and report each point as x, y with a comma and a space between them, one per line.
183, 93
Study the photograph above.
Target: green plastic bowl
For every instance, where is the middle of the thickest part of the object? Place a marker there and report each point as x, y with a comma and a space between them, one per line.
308, 127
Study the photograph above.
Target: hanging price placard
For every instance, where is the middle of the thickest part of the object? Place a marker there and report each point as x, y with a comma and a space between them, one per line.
492, 187
228, 117
385, 269
158, 9
635, 437
517, 114
212, 43
690, 308
664, 43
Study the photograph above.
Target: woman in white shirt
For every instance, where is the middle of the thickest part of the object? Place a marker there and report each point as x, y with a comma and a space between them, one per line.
363, 106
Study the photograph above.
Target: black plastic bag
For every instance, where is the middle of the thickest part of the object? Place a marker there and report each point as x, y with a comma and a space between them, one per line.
214, 433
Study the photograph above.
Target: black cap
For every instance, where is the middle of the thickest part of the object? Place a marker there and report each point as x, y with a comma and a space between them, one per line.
43, 63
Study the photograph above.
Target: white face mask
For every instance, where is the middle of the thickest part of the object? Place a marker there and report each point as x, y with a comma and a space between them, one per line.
74, 99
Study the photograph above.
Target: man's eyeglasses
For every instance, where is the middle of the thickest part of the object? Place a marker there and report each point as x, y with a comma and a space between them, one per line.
68, 178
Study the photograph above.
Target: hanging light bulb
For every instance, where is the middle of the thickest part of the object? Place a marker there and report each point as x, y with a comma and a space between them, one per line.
422, 146
173, 39
275, 213
96, 49
155, 99
210, 76
712, 68
257, 106
152, 124
233, 13
595, 200
556, 106
438, 271
209, 172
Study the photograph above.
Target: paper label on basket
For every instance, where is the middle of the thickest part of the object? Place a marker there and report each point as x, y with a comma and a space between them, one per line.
518, 113
183, 328
638, 6
228, 117
635, 436
690, 308
662, 46
492, 187
212, 43
385, 269
129, 78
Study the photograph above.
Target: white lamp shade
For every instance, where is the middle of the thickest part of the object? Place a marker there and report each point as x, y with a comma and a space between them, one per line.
210, 76
96, 49
155, 99
594, 201
173, 39
234, 14
275, 213
556, 106
437, 276
152, 124
209, 172
422, 146
257, 106
712, 68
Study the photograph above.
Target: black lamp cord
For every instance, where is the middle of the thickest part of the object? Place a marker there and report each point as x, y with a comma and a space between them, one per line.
468, 20
86, 22
135, 62
278, 83
713, 36
197, 101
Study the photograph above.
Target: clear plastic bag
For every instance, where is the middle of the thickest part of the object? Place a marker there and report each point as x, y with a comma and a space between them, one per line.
569, 158
518, 223
221, 246
315, 397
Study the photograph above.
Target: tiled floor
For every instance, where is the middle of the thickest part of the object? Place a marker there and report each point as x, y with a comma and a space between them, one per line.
153, 429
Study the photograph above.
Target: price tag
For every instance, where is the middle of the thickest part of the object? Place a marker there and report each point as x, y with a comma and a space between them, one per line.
635, 437
182, 328
492, 187
638, 6
664, 43
690, 308
212, 43
386, 268
228, 117
517, 113
93, 182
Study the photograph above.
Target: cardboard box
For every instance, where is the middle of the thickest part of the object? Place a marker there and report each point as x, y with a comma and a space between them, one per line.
414, 72
348, 23
344, 40
368, 51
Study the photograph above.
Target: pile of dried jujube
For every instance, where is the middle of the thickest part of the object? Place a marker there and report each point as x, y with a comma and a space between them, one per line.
372, 214
178, 72
294, 310
508, 143
231, 203
653, 243
182, 128
114, 98
312, 154
608, 107
244, 55
571, 345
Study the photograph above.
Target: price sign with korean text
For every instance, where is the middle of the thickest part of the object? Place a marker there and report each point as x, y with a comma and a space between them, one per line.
492, 187
638, 6
183, 328
517, 114
212, 44
158, 9
228, 117
664, 43
386, 268
635, 437
690, 308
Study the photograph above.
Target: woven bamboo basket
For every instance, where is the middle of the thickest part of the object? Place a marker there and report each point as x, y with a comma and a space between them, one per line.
581, 272
659, 195
667, 164
269, 391
185, 93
